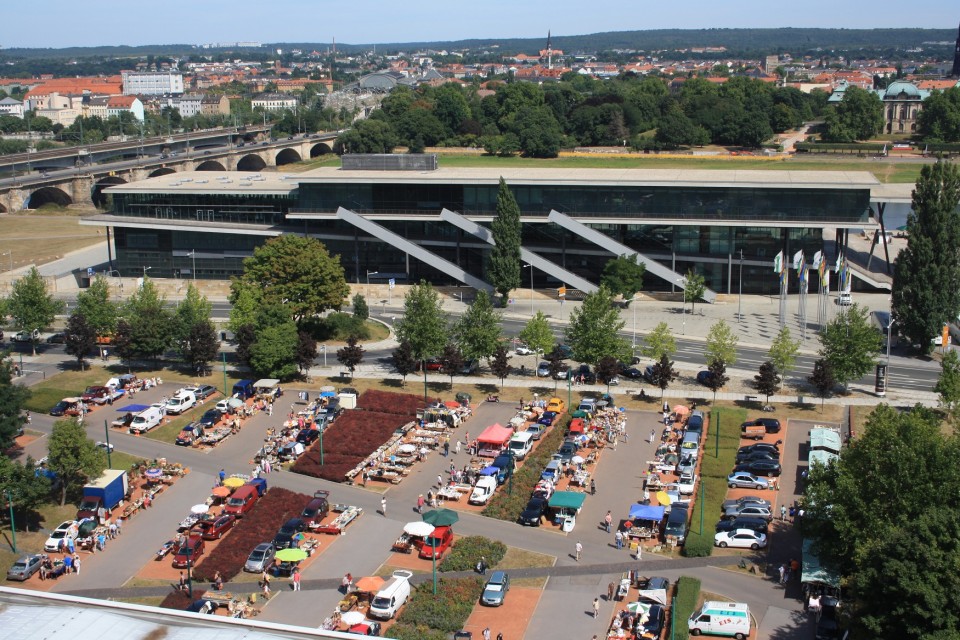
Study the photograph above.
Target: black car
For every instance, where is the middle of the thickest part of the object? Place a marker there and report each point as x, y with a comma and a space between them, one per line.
59, 408
653, 627
202, 606
632, 373
743, 522
57, 338
307, 436
704, 378
772, 449
750, 456
204, 391
290, 528
772, 425
565, 351
760, 467
828, 627
209, 418
533, 512
584, 374
567, 450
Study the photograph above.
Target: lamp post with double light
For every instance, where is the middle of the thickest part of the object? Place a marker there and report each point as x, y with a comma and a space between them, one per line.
193, 255
531, 287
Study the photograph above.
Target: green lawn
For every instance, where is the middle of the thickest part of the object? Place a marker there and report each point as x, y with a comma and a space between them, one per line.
687, 600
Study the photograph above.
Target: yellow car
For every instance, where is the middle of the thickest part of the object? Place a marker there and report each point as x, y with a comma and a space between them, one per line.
556, 405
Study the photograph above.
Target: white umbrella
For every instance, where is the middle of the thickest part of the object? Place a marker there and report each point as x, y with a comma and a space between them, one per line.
351, 618
199, 509
419, 528
407, 448
577, 459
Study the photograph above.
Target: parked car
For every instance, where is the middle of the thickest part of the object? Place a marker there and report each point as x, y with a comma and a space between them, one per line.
26, 336
209, 418
60, 408
563, 373
366, 628
747, 500
704, 378
25, 567
565, 351
740, 539
469, 367
204, 391
772, 449
761, 467
433, 364
632, 373
745, 480
533, 512
306, 437
260, 559
189, 551
543, 369
566, 451
106, 447
436, 544
750, 456
749, 510
547, 418
523, 350
214, 529
57, 338
66, 530
188, 435
285, 536
496, 589
557, 405
205, 607
653, 627
686, 483
584, 373
772, 425
744, 522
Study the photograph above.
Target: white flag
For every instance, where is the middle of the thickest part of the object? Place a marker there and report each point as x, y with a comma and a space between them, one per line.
817, 259
797, 259
778, 263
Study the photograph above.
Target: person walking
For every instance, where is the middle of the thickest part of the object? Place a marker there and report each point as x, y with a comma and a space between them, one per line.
420, 502
265, 577
593, 487
446, 446
783, 573
266, 589
223, 476
182, 585
783, 513
296, 579
608, 520
76, 563
596, 607
618, 538
486, 633
456, 447
383, 506
500, 636
439, 481
579, 550
611, 589
653, 434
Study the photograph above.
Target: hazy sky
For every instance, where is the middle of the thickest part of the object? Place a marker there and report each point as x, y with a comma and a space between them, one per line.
61, 23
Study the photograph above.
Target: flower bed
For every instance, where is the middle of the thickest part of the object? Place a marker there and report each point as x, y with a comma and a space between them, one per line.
437, 616
353, 437
259, 525
466, 553
404, 404
181, 599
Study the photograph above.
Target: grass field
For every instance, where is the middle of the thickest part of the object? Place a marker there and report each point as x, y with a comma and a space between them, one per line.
38, 238
523, 559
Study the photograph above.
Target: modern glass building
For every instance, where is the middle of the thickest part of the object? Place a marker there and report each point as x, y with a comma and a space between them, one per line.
706, 220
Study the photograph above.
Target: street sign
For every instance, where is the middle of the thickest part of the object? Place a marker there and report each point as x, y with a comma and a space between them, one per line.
392, 282
562, 292
945, 337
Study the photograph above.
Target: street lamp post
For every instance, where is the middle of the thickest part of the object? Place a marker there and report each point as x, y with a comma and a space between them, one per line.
531, 287
371, 273
740, 292
106, 430
145, 269
13, 524
193, 254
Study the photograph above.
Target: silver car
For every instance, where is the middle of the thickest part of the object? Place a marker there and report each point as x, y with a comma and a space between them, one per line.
748, 511
261, 558
745, 500
744, 480
496, 589
25, 567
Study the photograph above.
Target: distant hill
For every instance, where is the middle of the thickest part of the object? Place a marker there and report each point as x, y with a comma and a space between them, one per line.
756, 41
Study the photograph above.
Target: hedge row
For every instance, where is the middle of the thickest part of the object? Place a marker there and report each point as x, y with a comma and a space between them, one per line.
428, 616
466, 553
715, 466
838, 147
688, 597
505, 505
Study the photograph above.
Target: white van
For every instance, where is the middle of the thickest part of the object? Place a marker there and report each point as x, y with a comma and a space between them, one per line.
721, 619
147, 419
483, 490
520, 445
392, 595
181, 402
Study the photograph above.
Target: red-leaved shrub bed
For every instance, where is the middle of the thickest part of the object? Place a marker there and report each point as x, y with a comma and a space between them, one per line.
260, 524
181, 599
404, 404
353, 437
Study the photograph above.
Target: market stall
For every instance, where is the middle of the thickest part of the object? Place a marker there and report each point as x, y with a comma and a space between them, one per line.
644, 521
566, 506
493, 439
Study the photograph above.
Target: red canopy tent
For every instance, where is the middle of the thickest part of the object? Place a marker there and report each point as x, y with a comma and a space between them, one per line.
493, 439
577, 425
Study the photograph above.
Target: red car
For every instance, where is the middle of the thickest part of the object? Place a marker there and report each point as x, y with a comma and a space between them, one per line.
214, 529
436, 543
189, 551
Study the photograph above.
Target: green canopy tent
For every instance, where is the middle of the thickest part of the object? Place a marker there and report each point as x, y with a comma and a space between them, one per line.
567, 505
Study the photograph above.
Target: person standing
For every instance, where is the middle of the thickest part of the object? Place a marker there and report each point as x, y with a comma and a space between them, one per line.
76, 563
296, 579
486, 633
223, 476
596, 607
579, 550
265, 577
439, 481
618, 537
611, 589
783, 512
608, 521
420, 502
653, 434
383, 506
456, 447
783, 573
593, 489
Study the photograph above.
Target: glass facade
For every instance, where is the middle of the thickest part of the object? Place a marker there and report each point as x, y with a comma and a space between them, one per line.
708, 245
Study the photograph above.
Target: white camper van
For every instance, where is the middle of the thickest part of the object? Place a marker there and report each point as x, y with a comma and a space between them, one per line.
392, 595
717, 618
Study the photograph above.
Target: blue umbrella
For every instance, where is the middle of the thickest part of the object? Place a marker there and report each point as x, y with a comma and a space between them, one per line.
489, 471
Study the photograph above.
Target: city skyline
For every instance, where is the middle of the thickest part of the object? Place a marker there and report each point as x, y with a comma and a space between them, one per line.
100, 23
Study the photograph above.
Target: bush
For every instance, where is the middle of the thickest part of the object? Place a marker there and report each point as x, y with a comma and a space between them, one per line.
466, 553
181, 599
506, 506
337, 326
445, 612
405, 631
688, 596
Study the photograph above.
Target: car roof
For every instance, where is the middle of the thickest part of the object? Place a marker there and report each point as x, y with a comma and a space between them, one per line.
497, 576
263, 546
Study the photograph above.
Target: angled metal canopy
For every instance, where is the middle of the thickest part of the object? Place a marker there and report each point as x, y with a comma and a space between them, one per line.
608, 243
408, 247
528, 256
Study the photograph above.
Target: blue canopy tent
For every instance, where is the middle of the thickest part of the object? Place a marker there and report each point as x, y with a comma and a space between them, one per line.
134, 408
328, 394
646, 512
489, 471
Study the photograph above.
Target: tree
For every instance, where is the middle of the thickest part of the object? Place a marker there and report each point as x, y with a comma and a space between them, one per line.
404, 361
451, 361
79, 338
693, 289
478, 330
27, 489
783, 352
538, 335
360, 308
623, 276
351, 355
822, 379
870, 511
659, 342
555, 364
245, 305
200, 347
850, 344
152, 327
503, 269
244, 338
767, 380
859, 116
721, 344
73, 457
663, 374
424, 325
675, 129
718, 376
926, 283
192, 310
306, 351
948, 384
122, 344
31, 306
12, 400
368, 136
95, 305
273, 353
294, 271
594, 329
607, 370
500, 363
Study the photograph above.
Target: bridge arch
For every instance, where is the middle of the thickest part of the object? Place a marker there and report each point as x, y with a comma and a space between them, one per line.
48, 195
99, 199
162, 171
251, 162
210, 165
320, 149
288, 156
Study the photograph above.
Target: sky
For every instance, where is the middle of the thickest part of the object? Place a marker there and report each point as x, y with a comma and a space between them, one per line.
67, 23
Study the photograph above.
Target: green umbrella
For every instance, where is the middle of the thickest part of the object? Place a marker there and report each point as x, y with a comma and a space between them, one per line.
441, 517
291, 555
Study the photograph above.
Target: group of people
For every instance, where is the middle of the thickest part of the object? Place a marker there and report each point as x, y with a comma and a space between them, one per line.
789, 570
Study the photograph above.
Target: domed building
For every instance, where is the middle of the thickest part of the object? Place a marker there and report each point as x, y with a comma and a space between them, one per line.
902, 101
